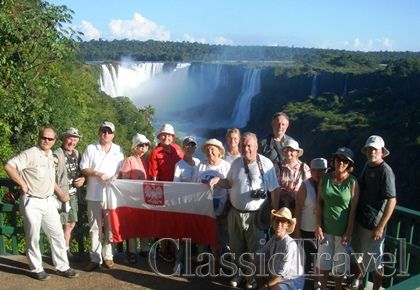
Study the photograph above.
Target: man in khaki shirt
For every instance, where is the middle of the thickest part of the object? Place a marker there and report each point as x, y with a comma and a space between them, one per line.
33, 170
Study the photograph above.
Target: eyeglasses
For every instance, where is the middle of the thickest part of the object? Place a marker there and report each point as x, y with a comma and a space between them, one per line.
142, 144
47, 138
190, 145
106, 131
281, 220
345, 161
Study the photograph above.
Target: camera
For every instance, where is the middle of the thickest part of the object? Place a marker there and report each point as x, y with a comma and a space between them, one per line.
258, 193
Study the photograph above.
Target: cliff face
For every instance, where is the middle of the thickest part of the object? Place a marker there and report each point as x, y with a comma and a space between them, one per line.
389, 106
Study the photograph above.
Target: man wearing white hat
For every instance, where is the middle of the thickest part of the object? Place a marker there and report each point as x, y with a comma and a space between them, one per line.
163, 157
101, 163
376, 203
162, 162
69, 178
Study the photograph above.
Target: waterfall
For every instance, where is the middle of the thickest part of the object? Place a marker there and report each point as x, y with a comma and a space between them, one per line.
345, 86
251, 85
192, 97
128, 78
314, 85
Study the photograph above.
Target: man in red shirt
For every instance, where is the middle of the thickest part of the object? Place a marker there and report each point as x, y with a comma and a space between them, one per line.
163, 158
162, 162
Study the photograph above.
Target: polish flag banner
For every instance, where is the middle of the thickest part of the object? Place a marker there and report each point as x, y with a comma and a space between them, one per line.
141, 208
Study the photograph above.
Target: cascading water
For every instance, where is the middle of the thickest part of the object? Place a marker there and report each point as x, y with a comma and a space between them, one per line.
190, 96
314, 85
251, 86
345, 86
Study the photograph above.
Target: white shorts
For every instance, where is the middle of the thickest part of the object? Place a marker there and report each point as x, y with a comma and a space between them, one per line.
367, 250
332, 255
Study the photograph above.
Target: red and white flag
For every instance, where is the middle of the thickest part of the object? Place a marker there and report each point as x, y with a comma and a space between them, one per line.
141, 208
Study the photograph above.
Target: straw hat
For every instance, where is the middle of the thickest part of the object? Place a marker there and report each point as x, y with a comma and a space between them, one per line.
213, 142
284, 212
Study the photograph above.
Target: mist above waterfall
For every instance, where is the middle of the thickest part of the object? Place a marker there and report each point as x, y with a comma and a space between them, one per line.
190, 95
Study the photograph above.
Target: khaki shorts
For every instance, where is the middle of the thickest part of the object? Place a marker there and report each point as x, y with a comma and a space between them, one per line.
332, 256
71, 216
367, 251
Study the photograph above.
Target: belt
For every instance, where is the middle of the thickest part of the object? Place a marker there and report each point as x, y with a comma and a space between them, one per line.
34, 196
244, 211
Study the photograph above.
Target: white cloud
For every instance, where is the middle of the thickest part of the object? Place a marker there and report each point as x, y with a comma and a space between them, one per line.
387, 43
190, 38
222, 40
357, 44
372, 44
90, 31
138, 28
214, 40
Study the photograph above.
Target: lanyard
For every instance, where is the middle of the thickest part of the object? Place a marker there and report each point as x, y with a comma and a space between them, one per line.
247, 171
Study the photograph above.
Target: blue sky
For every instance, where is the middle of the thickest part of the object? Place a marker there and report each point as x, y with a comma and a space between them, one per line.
368, 25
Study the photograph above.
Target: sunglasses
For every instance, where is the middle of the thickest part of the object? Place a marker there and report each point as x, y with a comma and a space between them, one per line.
281, 220
47, 138
142, 144
106, 130
190, 144
345, 161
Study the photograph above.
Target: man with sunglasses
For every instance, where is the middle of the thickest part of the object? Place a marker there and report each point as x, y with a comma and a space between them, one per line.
34, 172
101, 163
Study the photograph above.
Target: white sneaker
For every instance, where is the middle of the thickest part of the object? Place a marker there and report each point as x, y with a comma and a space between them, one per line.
251, 283
356, 283
236, 281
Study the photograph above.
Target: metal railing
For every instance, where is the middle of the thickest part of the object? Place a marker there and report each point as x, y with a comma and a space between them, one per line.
402, 238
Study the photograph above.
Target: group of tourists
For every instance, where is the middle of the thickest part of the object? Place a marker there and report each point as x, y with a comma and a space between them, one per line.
301, 219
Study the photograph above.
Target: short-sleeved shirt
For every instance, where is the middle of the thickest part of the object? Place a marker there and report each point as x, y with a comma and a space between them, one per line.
162, 163
37, 169
185, 172
377, 185
207, 171
135, 168
230, 158
271, 148
97, 159
284, 256
291, 178
240, 192
336, 204
67, 169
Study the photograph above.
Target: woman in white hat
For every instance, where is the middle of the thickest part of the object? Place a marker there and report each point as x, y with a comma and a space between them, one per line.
306, 206
283, 257
214, 166
291, 173
135, 167
335, 211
